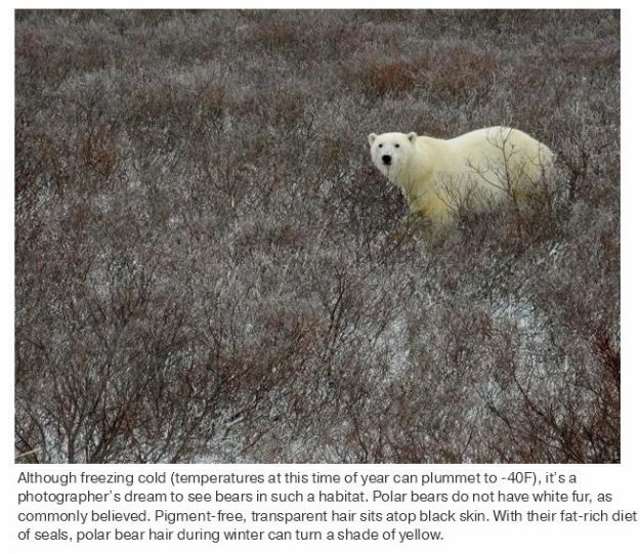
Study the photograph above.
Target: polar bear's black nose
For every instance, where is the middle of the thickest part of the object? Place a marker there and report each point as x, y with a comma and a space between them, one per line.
386, 159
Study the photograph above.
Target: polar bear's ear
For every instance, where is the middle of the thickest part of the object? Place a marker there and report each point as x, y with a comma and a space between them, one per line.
412, 136
372, 138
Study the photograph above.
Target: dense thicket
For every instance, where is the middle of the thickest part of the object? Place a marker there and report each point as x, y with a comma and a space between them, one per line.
208, 267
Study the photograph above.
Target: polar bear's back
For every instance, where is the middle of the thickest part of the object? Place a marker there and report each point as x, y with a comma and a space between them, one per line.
498, 139
501, 153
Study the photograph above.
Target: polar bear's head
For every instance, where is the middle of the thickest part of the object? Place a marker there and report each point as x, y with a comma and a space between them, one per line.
390, 151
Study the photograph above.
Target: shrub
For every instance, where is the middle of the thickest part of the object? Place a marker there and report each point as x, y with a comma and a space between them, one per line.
209, 268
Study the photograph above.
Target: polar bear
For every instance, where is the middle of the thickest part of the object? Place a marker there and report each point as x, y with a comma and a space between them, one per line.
438, 177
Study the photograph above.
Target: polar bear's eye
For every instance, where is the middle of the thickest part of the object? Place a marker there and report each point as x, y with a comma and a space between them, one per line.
380, 145
397, 146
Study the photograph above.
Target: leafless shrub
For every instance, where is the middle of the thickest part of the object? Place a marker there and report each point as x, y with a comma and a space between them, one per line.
392, 78
208, 268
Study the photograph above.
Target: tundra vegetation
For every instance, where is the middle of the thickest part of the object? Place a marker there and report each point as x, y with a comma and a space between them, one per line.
209, 268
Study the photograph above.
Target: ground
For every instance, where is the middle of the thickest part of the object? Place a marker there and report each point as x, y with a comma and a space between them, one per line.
208, 266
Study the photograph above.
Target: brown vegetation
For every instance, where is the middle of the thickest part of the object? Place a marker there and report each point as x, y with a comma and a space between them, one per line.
208, 268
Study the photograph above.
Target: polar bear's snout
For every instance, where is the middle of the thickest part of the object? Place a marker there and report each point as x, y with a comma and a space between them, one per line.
386, 159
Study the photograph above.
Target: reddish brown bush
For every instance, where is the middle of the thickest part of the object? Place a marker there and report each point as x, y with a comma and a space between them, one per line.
209, 268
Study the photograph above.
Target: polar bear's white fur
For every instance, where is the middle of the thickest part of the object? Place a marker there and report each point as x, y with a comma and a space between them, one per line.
474, 170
